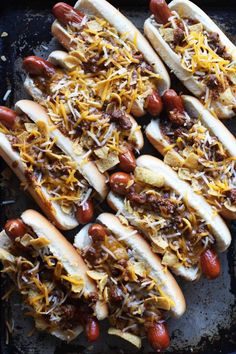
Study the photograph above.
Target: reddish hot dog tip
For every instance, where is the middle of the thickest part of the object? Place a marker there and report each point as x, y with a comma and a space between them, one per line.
210, 264
154, 104
172, 101
7, 117
92, 329
37, 66
15, 228
66, 14
158, 337
127, 161
97, 232
84, 213
119, 182
160, 10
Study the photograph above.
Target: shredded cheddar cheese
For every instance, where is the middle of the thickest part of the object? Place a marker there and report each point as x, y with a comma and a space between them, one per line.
110, 74
203, 55
126, 283
179, 236
42, 281
46, 165
214, 174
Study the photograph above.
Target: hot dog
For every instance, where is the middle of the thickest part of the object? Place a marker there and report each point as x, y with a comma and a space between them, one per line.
178, 223
199, 148
131, 280
207, 69
99, 126
102, 23
51, 278
63, 183
66, 14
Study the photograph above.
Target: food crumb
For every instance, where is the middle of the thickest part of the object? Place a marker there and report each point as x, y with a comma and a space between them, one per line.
4, 34
3, 58
8, 92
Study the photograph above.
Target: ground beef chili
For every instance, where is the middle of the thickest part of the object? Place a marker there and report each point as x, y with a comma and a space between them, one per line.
178, 36
216, 45
212, 81
120, 117
231, 194
213, 163
163, 216
133, 307
176, 117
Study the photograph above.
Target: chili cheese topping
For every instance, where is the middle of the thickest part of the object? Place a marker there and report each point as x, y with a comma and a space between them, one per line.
90, 103
125, 282
203, 161
47, 166
53, 297
176, 230
116, 61
74, 109
204, 56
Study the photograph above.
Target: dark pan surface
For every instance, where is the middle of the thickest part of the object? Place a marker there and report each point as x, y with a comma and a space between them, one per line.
209, 325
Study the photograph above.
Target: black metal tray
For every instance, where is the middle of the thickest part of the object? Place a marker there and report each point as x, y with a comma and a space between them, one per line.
209, 325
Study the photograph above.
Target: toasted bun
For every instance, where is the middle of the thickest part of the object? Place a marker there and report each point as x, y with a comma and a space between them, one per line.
142, 250
61, 34
197, 202
187, 9
89, 170
104, 9
195, 109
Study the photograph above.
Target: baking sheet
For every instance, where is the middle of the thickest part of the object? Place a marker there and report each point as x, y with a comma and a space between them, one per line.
209, 325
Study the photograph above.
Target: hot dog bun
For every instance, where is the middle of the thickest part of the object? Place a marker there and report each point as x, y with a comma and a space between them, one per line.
137, 243
62, 59
104, 9
40, 195
195, 109
197, 202
88, 169
188, 9
71, 260
59, 247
